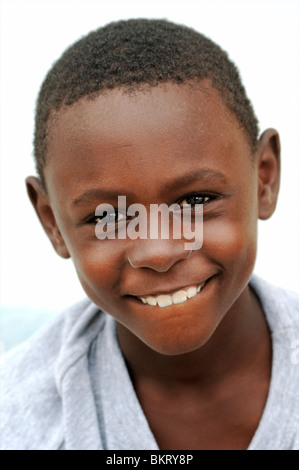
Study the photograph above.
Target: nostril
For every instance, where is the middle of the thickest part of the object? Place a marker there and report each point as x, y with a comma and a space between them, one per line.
158, 264
157, 256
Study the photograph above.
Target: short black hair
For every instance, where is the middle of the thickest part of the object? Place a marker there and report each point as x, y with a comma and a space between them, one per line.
129, 53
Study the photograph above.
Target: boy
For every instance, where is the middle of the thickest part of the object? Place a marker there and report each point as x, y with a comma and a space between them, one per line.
173, 348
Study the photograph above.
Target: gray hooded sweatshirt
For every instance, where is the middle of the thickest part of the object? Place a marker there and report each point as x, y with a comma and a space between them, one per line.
68, 387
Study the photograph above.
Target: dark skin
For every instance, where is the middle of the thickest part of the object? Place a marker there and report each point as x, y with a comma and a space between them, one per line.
201, 369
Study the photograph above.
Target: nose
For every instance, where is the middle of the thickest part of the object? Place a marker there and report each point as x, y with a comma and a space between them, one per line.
159, 255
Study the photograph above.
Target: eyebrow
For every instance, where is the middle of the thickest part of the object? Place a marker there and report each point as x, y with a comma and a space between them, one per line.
95, 193
204, 175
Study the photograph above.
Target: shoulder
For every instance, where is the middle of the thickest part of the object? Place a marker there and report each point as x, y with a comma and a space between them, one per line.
30, 411
279, 428
281, 306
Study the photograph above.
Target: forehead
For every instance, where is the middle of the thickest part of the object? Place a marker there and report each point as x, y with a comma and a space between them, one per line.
148, 132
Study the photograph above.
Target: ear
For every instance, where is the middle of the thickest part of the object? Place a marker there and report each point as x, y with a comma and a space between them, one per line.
268, 160
41, 204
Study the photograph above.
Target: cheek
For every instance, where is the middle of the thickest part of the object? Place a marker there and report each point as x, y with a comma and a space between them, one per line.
231, 239
232, 244
98, 267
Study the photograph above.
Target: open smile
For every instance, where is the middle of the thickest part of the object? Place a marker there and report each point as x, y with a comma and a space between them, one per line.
178, 297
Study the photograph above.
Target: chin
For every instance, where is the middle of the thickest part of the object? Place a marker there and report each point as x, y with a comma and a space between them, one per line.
177, 344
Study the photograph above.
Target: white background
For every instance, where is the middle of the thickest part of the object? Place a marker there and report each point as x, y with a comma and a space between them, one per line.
261, 38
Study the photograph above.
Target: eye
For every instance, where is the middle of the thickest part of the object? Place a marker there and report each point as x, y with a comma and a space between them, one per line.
195, 199
108, 218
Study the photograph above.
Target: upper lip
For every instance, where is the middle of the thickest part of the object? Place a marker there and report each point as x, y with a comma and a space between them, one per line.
169, 290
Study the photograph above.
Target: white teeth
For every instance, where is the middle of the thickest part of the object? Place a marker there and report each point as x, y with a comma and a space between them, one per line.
151, 301
169, 299
179, 297
164, 300
191, 292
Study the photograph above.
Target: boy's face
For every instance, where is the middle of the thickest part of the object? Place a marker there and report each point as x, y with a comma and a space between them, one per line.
162, 145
